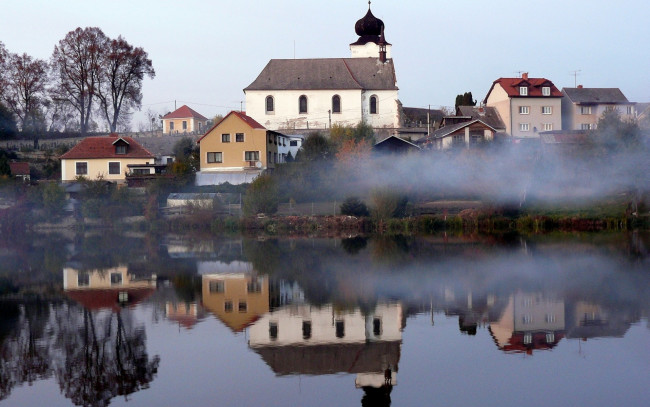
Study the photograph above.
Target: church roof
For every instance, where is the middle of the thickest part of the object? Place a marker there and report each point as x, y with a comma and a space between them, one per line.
326, 73
369, 29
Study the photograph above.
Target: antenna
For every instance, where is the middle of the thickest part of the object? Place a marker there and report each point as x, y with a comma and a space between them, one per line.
519, 73
575, 77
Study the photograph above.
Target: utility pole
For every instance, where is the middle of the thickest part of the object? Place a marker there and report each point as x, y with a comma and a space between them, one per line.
429, 121
329, 112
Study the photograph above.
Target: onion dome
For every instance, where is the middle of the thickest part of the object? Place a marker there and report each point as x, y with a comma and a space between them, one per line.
369, 25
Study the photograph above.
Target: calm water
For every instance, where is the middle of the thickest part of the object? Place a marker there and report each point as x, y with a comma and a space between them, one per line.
144, 320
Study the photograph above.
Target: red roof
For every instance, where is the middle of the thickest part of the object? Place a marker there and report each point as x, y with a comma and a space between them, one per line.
252, 123
108, 298
535, 85
19, 168
184, 112
103, 147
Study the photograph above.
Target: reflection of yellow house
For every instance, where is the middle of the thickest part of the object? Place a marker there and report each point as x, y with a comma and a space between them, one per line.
186, 314
104, 158
237, 299
106, 288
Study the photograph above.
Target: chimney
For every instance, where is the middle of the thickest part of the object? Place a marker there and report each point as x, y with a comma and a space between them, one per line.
579, 86
524, 75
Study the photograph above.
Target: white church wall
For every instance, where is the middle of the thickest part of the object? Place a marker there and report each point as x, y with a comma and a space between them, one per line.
368, 50
387, 112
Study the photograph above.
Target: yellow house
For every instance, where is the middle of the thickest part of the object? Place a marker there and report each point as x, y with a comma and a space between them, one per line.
103, 157
184, 120
237, 149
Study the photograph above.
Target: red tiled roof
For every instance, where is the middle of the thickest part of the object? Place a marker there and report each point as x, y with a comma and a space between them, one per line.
242, 116
19, 168
535, 85
184, 112
108, 298
103, 147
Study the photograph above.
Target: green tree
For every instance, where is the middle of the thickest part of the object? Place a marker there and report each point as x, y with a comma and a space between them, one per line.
614, 133
261, 196
53, 197
316, 147
465, 99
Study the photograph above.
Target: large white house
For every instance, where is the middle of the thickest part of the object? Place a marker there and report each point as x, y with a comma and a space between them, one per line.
317, 93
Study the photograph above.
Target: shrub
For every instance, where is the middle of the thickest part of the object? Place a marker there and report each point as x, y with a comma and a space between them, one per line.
261, 196
354, 206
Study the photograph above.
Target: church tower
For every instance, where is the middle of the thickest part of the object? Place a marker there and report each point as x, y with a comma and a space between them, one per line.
371, 42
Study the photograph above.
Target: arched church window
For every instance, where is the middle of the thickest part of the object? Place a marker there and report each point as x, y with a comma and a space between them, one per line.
373, 104
336, 104
302, 104
270, 108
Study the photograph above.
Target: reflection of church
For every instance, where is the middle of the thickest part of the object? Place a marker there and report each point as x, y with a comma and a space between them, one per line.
305, 339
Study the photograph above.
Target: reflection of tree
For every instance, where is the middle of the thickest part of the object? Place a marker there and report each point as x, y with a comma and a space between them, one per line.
376, 397
103, 357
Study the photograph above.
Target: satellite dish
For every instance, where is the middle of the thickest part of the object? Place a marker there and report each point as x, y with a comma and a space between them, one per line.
258, 164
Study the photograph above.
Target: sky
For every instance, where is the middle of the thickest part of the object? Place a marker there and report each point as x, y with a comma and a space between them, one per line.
206, 52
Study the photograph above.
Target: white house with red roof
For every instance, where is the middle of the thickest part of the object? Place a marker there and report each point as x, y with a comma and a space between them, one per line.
184, 120
107, 158
526, 105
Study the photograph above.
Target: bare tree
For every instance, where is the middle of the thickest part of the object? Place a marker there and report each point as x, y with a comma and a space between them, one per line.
4, 55
123, 68
25, 92
76, 69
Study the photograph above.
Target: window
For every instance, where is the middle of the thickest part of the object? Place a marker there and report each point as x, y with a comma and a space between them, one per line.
116, 278
524, 109
548, 126
609, 108
171, 126
217, 286
227, 306
270, 108
585, 109
528, 338
373, 104
120, 149
523, 91
458, 139
225, 138
252, 156
141, 171
82, 168
302, 104
546, 91
524, 127
336, 104
275, 158
114, 167
184, 124
547, 109
630, 110
306, 329
550, 318
83, 279
340, 329
254, 286
293, 143
527, 319
273, 330
550, 337
585, 126
239, 137
215, 157
242, 306
376, 326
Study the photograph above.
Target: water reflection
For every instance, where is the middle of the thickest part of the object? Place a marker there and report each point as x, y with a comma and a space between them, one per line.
313, 307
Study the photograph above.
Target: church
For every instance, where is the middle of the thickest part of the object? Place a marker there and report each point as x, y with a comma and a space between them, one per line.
301, 94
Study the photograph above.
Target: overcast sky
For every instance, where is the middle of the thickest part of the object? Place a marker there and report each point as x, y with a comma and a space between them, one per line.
205, 52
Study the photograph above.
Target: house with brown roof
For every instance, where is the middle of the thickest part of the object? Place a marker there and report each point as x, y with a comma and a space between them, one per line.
106, 157
583, 107
316, 93
463, 134
20, 170
237, 149
526, 105
184, 120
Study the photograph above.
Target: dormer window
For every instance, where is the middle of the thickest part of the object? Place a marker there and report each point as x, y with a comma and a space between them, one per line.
523, 91
546, 91
120, 149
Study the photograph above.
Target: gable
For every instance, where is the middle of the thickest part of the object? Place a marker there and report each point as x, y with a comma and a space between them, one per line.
105, 147
233, 120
